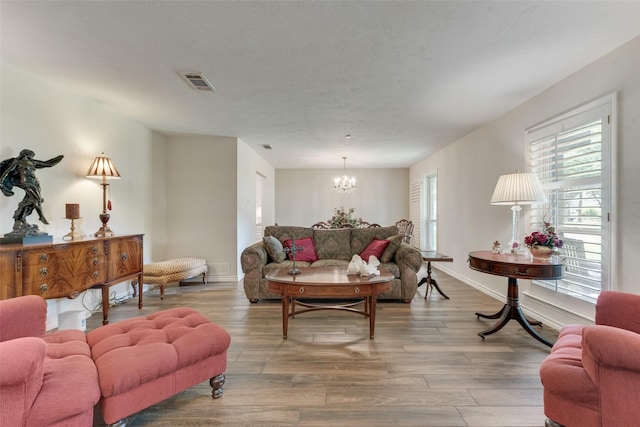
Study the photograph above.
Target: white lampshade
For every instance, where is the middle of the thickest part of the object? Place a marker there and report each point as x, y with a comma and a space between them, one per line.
519, 188
515, 189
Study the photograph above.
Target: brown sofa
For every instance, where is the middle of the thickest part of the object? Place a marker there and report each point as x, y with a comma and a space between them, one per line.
334, 248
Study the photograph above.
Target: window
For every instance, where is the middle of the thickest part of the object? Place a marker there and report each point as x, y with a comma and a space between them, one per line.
415, 212
431, 212
260, 184
573, 156
424, 212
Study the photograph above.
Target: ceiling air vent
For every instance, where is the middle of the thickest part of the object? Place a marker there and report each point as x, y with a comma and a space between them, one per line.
198, 81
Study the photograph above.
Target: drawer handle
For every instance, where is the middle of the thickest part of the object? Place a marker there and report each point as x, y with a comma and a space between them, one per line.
301, 290
124, 256
95, 274
73, 295
43, 271
44, 288
524, 272
356, 290
44, 258
94, 249
95, 261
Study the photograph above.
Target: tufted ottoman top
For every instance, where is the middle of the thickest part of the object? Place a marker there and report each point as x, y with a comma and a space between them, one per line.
172, 266
135, 351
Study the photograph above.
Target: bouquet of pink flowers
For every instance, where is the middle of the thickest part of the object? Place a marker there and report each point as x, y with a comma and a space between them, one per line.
547, 237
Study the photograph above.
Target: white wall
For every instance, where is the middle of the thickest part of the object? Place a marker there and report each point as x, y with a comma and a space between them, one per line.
201, 202
469, 168
250, 164
304, 197
50, 121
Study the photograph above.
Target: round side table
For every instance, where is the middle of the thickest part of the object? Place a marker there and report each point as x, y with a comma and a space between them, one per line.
514, 267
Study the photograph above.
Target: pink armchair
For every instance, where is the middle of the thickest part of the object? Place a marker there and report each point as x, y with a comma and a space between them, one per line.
45, 380
592, 376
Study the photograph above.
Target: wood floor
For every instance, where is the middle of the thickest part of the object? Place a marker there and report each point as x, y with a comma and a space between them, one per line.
426, 366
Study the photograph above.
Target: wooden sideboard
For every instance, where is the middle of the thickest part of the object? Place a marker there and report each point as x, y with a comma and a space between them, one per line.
68, 268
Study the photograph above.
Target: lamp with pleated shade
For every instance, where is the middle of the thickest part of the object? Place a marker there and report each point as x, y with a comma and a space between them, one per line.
102, 167
516, 189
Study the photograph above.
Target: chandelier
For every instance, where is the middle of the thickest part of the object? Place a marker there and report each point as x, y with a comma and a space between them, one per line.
344, 184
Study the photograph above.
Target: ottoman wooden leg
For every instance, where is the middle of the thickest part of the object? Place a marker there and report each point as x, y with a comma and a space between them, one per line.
121, 423
216, 384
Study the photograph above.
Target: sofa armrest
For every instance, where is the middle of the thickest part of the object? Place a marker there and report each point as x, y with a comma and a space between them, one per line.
252, 260
253, 257
606, 347
410, 256
610, 359
22, 317
618, 309
409, 261
21, 377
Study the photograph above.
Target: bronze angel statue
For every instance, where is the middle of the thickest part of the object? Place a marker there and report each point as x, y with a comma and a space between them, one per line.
21, 172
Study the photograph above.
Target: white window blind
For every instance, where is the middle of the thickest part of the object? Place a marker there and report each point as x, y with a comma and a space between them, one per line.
414, 213
571, 156
431, 212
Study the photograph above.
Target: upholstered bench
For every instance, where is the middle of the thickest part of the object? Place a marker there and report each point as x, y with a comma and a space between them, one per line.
144, 360
173, 270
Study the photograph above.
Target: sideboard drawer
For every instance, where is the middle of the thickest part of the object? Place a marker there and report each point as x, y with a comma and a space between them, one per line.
63, 271
124, 257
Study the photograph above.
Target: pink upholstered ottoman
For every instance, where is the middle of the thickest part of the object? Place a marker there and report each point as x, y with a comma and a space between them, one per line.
144, 360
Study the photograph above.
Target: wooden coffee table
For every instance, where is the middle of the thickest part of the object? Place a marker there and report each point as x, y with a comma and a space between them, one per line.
328, 283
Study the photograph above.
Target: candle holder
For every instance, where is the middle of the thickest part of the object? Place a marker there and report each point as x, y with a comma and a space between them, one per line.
73, 234
72, 212
293, 249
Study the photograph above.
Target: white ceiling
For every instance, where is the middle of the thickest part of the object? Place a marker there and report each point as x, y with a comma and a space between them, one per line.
403, 78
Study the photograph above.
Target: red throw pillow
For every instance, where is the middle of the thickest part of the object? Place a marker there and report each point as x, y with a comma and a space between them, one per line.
308, 253
376, 248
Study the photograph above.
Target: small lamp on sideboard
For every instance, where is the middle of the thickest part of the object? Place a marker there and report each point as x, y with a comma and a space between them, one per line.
102, 167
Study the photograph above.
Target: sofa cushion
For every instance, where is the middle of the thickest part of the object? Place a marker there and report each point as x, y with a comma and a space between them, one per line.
337, 263
274, 248
394, 244
68, 371
375, 248
361, 237
308, 252
562, 373
283, 233
391, 267
333, 244
284, 265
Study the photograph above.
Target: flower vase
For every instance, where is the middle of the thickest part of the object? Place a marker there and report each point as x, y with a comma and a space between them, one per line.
541, 253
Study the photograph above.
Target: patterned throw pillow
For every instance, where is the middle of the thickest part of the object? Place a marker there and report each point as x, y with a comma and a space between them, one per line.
394, 244
308, 252
274, 248
375, 248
